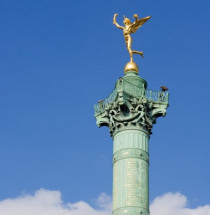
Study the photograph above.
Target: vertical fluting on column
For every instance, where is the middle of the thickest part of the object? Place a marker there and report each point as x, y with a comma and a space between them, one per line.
130, 173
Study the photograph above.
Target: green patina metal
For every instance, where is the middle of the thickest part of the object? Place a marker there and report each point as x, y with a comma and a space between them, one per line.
134, 86
130, 112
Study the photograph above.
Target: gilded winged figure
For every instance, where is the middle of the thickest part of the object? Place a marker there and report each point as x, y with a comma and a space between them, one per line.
129, 29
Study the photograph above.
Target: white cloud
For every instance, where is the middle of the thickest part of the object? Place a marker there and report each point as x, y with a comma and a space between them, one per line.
46, 202
175, 204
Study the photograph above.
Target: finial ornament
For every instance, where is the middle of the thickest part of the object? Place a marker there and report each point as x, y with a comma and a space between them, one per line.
129, 29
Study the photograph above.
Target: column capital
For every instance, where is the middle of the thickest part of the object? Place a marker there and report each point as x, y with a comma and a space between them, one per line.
131, 106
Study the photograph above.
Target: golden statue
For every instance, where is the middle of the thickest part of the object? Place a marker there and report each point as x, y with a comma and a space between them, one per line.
129, 29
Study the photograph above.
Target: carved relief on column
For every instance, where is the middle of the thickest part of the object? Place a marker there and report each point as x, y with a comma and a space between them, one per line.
131, 106
133, 113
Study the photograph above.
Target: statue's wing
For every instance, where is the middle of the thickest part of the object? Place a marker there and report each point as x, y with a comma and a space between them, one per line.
138, 23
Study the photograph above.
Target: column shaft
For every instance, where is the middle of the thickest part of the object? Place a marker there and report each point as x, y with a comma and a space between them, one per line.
130, 173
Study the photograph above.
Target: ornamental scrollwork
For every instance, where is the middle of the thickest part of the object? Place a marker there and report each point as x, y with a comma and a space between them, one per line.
131, 107
131, 89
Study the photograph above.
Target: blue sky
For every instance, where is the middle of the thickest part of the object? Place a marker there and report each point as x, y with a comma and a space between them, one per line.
58, 58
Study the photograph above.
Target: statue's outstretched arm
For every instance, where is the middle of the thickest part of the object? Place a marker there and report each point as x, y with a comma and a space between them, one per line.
135, 16
115, 22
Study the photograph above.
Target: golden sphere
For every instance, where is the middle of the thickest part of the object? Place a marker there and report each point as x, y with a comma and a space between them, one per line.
131, 66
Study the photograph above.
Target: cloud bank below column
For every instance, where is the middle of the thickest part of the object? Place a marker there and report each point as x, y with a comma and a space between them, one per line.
47, 202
